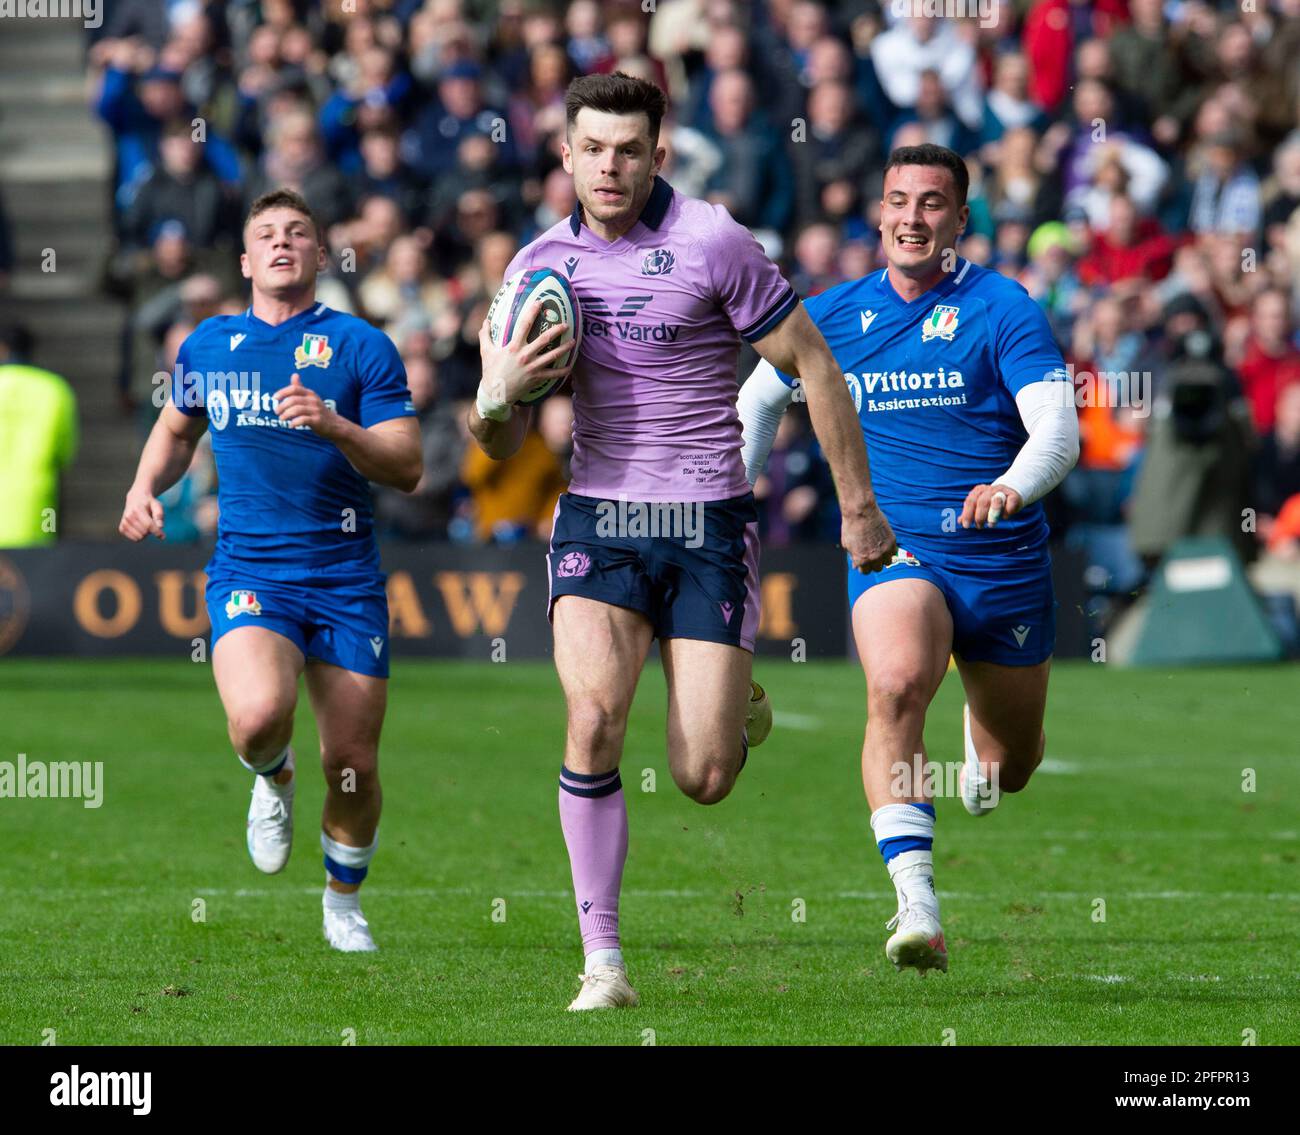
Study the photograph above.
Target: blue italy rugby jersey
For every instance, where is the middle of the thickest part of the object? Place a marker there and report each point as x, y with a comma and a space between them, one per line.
934, 382
291, 504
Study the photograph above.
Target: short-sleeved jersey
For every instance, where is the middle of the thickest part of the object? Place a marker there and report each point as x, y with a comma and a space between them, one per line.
663, 309
291, 504
934, 382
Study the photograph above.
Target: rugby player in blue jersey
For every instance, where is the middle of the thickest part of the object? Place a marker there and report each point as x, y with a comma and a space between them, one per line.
306, 406
969, 418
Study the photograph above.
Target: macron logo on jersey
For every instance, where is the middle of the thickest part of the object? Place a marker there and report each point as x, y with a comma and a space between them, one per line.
235, 340
868, 318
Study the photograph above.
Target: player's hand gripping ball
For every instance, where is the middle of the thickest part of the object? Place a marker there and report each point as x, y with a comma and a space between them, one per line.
559, 304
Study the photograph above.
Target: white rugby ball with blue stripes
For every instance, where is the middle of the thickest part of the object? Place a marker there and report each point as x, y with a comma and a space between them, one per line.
559, 305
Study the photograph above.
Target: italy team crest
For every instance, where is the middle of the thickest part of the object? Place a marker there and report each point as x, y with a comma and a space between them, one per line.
940, 324
314, 352
243, 602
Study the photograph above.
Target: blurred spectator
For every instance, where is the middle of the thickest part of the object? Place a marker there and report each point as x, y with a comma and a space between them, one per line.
181, 188
458, 112
373, 98
933, 113
1271, 360
816, 265
1114, 389
690, 160
830, 164
136, 98
402, 286
1146, 67
38, 440
1092, 135
1129, 249
537, 111
627, 32
296, 159
1052, 279
516, 497
555, 424
793, 491
1052, 28
1281, 193
587, 46
425, 513
754, 181
727, 50
1225, 197
1008, 106
918, 44
1277, 464
384, 173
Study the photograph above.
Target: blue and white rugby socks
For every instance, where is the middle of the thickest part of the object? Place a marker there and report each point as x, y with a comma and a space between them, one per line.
268, 768
346, 865
905, 835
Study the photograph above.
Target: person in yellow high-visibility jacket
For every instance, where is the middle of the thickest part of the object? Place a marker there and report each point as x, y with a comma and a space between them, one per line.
38, 440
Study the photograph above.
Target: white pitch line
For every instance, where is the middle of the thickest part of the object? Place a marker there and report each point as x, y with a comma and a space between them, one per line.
1052, 765
800, 722
506, 892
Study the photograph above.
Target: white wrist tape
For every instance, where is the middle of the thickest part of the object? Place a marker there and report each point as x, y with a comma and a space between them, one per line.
491, 408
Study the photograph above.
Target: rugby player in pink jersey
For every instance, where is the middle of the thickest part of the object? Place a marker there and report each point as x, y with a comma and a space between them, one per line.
657, 535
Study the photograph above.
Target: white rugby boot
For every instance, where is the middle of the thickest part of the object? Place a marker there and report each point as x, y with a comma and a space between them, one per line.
347, 930
979, 795
605, 987
270, 822
917, 941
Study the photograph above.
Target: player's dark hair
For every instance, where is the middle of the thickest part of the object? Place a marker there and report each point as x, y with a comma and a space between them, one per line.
618, 93
284, 199
932, 155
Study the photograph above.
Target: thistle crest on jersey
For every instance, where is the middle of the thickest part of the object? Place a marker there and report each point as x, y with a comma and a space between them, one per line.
243, 603
658, 263
941, 324
314, 352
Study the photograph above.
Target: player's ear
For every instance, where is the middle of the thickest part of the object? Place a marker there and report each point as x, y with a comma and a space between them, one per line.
566, 156
245, 269
661, 154
322, 258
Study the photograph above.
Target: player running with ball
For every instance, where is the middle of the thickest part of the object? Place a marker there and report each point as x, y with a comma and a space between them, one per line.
667, 286
294, 582
968, 414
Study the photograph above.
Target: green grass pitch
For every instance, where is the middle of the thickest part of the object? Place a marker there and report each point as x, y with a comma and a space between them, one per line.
1141, 805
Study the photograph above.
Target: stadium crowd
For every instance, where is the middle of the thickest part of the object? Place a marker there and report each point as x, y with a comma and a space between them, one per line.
1134, 164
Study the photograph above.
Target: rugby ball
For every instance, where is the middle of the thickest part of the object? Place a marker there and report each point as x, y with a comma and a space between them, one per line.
559, 305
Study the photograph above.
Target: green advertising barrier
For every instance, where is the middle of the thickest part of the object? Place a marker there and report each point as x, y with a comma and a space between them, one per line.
1201, 609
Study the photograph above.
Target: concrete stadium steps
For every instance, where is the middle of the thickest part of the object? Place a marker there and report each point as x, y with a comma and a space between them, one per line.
55, 175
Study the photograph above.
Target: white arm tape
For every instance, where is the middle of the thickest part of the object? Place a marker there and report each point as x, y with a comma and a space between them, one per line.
492, 409
1047, 409
763, 399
